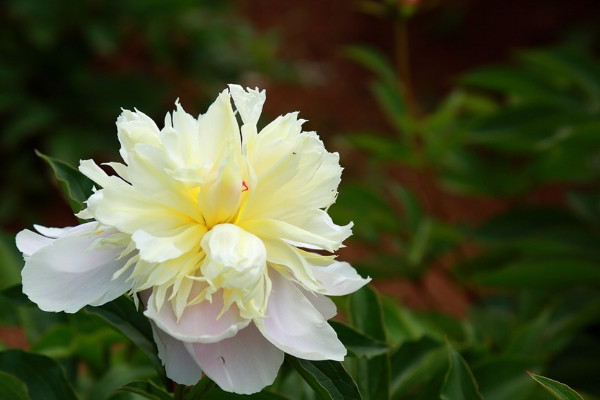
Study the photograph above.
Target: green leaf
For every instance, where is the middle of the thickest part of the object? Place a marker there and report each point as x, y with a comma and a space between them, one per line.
559, 390
43, 377
117, 376
416, 364
146, 389
11, 261
460, 383
122, 314
366, 314
573, 66
546, 273
76, 186
218, 394
329, 379
511, 81
12, 388
201, 389
357, 343
502, 377
374, 61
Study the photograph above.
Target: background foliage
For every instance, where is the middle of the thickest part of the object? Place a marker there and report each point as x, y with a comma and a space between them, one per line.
511, 132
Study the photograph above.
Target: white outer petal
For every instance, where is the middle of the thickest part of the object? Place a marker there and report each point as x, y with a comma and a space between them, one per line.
339, 278
65, 275
244, 364
324, 304
295, 326
179, 364
28, 242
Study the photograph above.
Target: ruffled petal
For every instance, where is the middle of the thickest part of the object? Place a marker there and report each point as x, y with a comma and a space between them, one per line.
249, 103
244, 364
199, 322
339, 278
66, 275
179, 364
295, 326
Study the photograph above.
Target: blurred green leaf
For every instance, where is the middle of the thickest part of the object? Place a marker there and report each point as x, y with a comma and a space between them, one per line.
122, 314
542, 273
43, 377
572, 66
586, 205
146, 389
114, 379
460, 383
504, 378
76, 186
416, 363
559, 390
12, 388
218, 394
11, 261
374, 61
329, 379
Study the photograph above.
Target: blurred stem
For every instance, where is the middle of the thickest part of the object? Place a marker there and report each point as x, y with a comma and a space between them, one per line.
179, 392
403, 61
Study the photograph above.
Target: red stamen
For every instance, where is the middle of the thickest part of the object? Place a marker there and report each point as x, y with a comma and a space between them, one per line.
245, 186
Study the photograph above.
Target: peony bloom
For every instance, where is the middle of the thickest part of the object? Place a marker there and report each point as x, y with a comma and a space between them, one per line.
215, 228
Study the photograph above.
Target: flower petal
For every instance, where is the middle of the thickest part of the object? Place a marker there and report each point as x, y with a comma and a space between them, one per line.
179, 364
339, 278
199, 322
249, 103
28, 242
244, 364
322, 303
65, 275
295, 326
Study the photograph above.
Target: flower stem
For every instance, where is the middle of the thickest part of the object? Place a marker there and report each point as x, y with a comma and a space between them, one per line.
179, 392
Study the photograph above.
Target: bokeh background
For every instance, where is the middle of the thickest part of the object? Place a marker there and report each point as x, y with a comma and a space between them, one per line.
469, 131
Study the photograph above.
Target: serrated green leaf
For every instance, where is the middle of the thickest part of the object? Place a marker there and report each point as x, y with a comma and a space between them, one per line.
122, 314
43, 377
76, 186
558, 390
329, 379
460, 383
12, 388
357, 343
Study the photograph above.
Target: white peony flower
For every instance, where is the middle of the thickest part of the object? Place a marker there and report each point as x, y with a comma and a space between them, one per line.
215, 227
